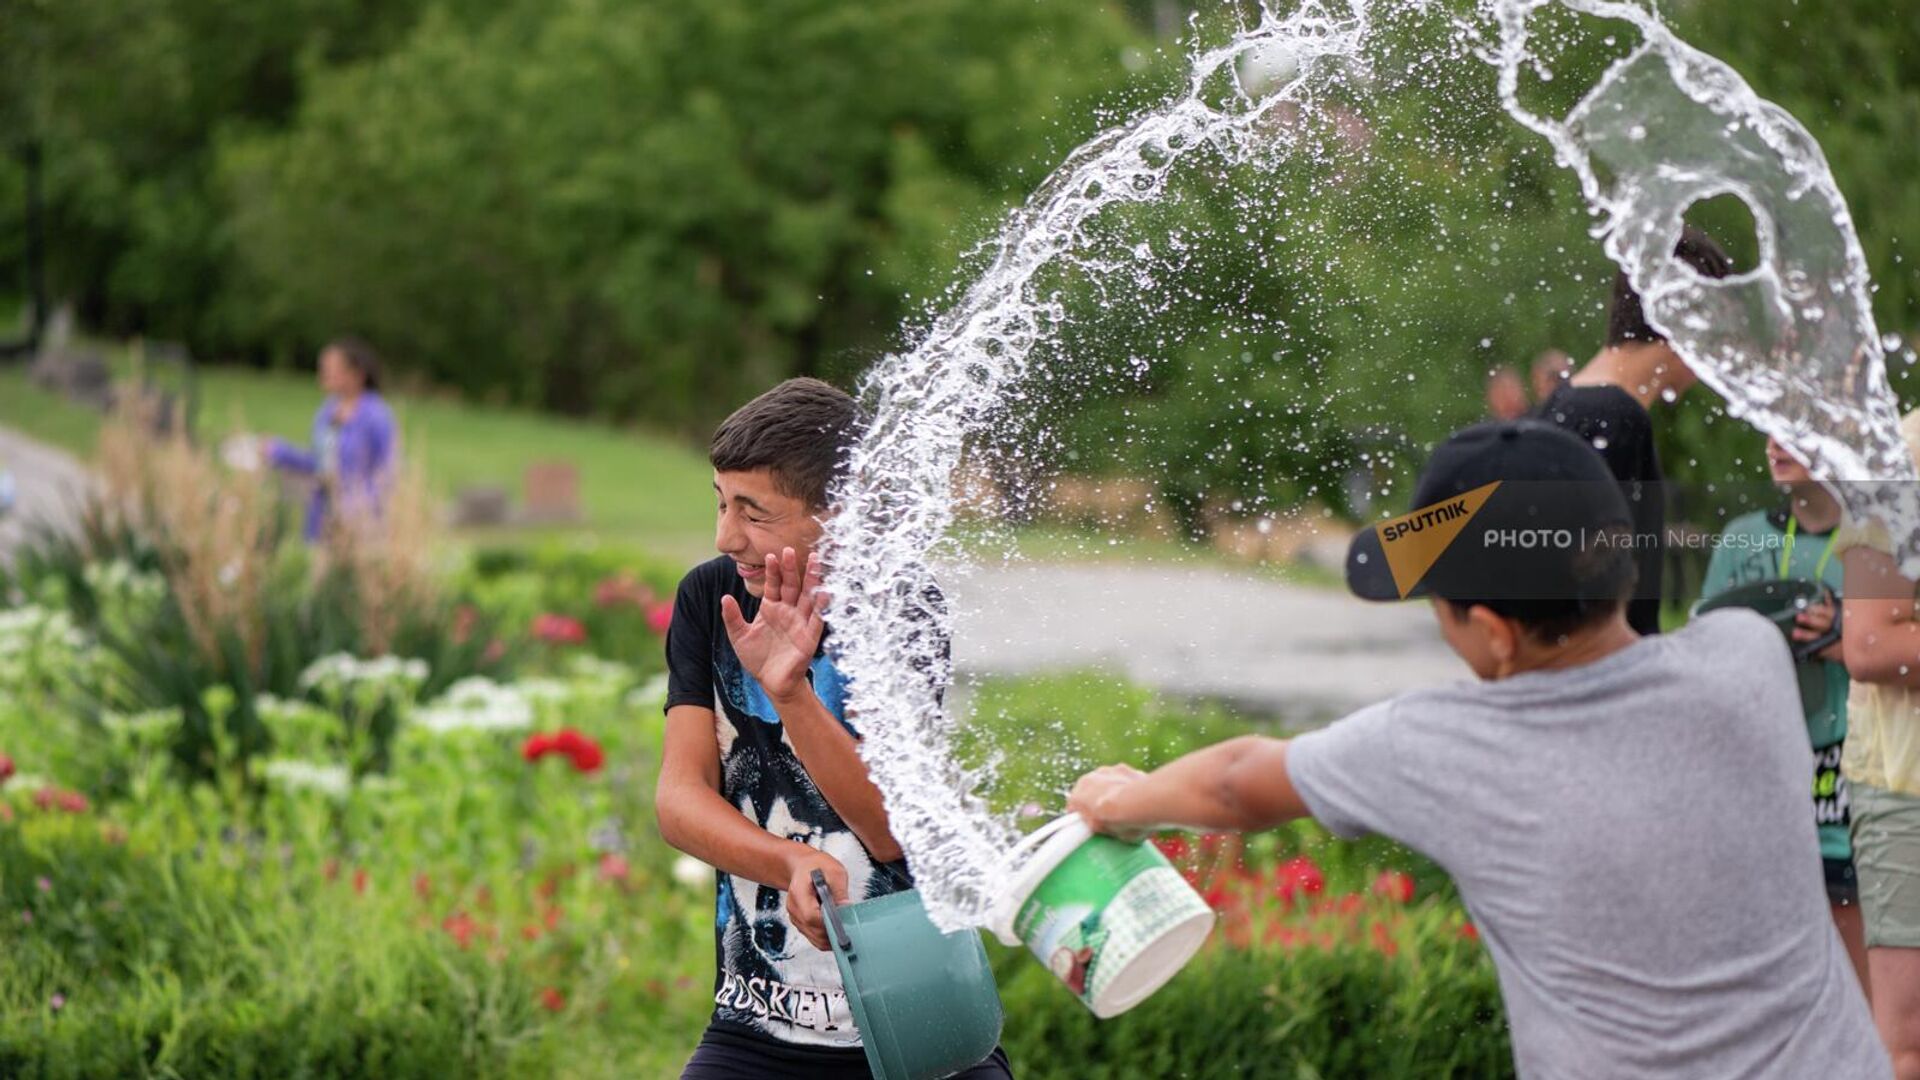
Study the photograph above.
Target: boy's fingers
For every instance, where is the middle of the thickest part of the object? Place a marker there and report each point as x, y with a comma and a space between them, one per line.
770, 590
789, 577
730, 616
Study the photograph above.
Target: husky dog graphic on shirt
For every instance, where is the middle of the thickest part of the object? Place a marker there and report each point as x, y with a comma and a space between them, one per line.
769, 979
773, 978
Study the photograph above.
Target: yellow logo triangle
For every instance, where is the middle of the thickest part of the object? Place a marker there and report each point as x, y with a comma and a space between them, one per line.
1413, 542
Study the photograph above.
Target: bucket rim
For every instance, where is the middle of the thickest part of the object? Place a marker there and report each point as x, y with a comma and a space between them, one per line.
1037, 855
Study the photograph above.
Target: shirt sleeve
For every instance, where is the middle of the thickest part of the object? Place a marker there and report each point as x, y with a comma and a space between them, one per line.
690, 643
1347, 773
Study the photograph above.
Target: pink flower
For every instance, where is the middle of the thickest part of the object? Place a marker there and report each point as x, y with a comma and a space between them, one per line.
6, 768
559, 630
621, 589
1395, 886
615, 868
659, 617
465, 617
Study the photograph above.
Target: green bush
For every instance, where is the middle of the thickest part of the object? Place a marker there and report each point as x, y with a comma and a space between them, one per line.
1431, 1010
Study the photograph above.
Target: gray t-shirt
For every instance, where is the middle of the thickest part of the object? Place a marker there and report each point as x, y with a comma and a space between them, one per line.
1632, 839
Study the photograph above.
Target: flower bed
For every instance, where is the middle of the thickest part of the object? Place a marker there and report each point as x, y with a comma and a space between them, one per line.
486, 895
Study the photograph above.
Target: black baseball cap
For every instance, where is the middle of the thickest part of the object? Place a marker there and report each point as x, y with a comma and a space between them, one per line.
1511, 510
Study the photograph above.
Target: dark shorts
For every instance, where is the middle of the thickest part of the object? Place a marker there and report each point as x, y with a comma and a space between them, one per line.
727, 1054
1843, 886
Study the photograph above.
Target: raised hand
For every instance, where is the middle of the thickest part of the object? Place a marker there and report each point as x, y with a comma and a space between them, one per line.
777, 647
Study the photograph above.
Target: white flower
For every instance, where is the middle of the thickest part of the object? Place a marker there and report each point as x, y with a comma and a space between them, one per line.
343, 669
152, 722
476, 703
650, 695
691, 872
589, 668
544, 691
332, 781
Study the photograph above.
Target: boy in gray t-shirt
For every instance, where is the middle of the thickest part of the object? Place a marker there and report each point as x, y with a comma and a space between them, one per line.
1615, 810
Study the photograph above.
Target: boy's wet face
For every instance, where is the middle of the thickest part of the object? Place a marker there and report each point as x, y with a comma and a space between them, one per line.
755, 519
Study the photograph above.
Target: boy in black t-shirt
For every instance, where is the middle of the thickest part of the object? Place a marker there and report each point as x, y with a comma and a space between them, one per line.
1606, 404
761, 775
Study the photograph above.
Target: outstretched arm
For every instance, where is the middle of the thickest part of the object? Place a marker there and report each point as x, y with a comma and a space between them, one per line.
1240, 785
289, 458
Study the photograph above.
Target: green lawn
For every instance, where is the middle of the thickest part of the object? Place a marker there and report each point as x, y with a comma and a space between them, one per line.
635, 487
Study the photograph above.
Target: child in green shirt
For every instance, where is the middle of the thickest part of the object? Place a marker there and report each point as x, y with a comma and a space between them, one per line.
1795, 542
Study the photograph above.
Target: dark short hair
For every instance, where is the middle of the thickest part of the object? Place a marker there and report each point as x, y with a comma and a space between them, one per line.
1604, 577
1626, 322
800, 431
360, 356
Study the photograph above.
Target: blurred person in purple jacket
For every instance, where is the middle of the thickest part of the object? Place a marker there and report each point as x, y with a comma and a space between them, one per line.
351, 455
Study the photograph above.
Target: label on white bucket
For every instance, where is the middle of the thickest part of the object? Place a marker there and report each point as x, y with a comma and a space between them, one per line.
1113, 921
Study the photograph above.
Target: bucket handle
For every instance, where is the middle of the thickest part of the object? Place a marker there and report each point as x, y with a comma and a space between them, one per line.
832, 913
1038, 838
1806, 650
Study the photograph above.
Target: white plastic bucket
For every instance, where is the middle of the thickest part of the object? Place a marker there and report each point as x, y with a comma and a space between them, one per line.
1112, 920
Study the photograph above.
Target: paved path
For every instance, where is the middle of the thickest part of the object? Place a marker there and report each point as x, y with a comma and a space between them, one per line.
1303, 652
49, 488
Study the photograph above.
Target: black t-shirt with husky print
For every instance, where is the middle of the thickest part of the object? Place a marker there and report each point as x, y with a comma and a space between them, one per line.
769, 981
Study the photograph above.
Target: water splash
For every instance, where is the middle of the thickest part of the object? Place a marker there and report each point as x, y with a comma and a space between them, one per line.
1807, 367
1790, 345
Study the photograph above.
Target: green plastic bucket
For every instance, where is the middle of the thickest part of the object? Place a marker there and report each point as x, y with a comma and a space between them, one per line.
1782, 601
925, 1002
1112, 920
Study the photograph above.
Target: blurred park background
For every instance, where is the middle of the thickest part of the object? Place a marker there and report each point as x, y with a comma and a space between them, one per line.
239, 836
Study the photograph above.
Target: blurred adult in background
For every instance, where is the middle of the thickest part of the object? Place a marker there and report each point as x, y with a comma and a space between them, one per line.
1606, 404
1882, 766
1506, 397
1550, 369
350, 457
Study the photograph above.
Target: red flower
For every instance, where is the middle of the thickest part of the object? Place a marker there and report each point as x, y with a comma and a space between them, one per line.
585, 754
1469, 932
537, 746
360, 881
1173, 847
1395, 886
660, 617
423, 886
1383, 940
552, 1000
6, 768
1298, 877
462, 927
559, 630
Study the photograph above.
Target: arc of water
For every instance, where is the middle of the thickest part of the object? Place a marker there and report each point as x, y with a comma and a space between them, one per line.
895, 505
